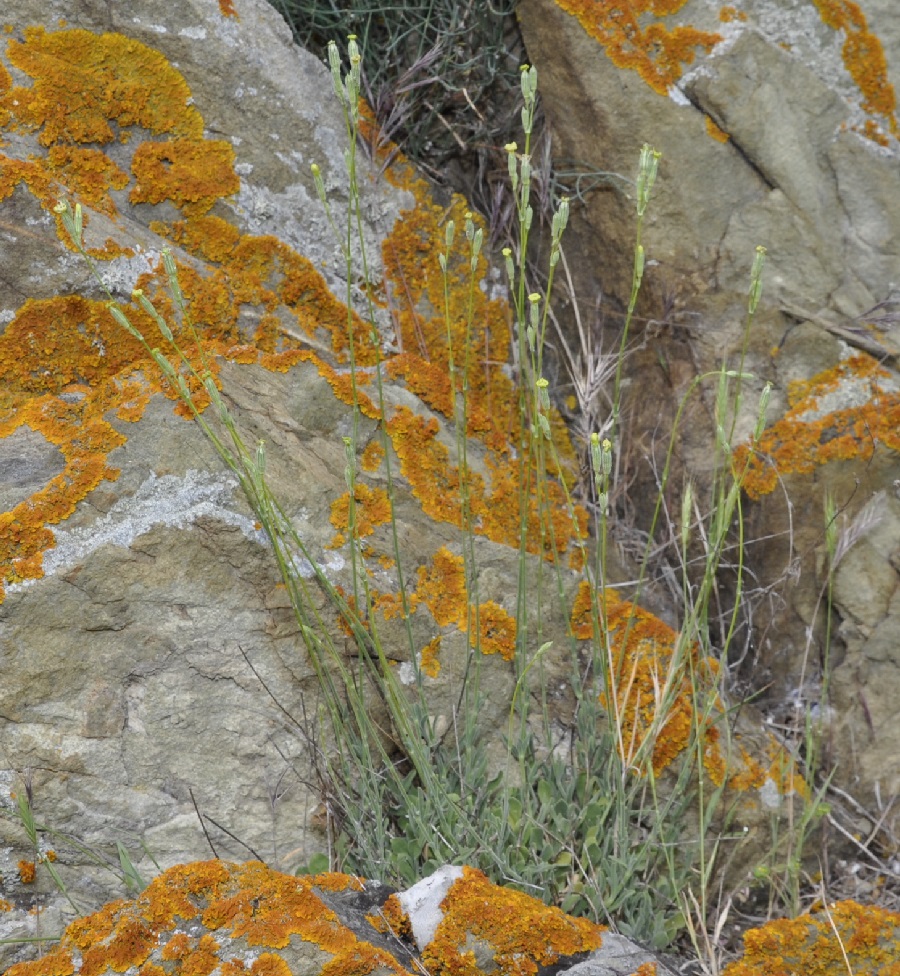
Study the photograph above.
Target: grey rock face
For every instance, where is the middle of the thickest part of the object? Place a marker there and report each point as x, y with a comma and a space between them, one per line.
155, 689
771, 134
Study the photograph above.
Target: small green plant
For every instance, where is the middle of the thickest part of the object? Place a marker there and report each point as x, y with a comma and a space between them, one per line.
586, 820
45, 840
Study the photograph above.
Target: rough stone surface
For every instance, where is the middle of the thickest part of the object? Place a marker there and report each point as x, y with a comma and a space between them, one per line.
778, 126
154, 680
136, 667
155, 691
252, 919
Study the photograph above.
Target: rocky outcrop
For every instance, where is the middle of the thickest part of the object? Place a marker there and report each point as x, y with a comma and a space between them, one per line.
150, 654
156, 690
834, 939
215, 916
226, 918
778, 127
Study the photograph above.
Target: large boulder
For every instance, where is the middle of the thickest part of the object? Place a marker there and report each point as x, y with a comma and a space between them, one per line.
778, 127
238, 918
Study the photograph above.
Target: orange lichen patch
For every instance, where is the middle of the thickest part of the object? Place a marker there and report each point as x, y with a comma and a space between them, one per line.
782, 771
435, 482
192, 173
430, 381
492, 630
211, 237
26, 872
645, 659
346, 388
442, 588
425, 463
372, 508
235, 909
30, 173
226, 8
352, 618
872, 130
372, 456
268, 964
523, 933
430, 662
115, 78
110, 249
729, 14
392, 918
465, 330
362, 960
715, 132
805, 437
97, 363
95, 369
847, 937
752, 775
657, 53
261, 270
416, 289
337, 881
88, 173
64, 362
548, 532
863, 58
390, 605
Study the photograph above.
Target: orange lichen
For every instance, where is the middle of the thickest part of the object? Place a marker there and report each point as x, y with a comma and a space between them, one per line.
522, 932
89, 174
96, 364
430, 662
234, 910
845, 937
863, 58
372, 508
425, 463
805, 437
442, 588
392, 919
644, 658
715, 132
192, 173
372, 456
872, 130
656, 52
26, 872
226, 8
729, 14
474, 332
116, 79
492, 630
390, 605
210, 237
